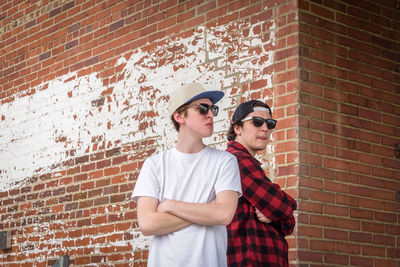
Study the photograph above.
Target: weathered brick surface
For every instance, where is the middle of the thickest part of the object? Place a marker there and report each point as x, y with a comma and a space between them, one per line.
349, 84
84, 87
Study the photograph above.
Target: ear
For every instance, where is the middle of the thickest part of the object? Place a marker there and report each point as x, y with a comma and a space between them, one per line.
179, 117
238, 129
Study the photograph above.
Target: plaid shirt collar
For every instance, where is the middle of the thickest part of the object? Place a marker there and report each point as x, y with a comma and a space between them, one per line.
240, 151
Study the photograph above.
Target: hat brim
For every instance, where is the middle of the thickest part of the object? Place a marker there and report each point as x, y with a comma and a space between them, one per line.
214, 96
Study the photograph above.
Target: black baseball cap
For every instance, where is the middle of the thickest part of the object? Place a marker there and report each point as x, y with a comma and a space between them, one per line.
246, 108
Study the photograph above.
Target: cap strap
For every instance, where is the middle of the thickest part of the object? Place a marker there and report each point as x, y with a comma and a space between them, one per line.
261, 109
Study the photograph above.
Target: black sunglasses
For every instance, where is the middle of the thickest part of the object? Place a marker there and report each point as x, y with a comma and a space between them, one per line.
258, 122
203, 108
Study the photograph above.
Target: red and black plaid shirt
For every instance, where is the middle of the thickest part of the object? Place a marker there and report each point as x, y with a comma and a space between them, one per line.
251, 242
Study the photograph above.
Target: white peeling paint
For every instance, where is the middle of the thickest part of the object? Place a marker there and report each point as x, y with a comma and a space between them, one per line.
44, 245
38, 131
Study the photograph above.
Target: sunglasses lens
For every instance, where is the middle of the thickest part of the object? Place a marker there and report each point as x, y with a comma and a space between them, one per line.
258, 122
203, 109
271, 124
214, 110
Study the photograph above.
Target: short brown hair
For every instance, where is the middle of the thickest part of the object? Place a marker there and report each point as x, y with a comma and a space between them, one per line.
182, 109
231, 132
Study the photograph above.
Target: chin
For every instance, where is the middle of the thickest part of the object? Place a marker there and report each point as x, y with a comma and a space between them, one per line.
261, 147
208, 134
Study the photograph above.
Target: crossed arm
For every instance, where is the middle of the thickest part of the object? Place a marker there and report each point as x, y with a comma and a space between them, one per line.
171, 215
272, 205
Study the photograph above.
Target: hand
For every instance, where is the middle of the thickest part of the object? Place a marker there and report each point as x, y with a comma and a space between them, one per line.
261, 217
165, 206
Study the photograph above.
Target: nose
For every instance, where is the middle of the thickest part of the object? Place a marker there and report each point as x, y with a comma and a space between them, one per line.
210, 114
264, 127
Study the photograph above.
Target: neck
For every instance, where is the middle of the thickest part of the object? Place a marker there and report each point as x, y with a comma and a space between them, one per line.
251, 151
189, 144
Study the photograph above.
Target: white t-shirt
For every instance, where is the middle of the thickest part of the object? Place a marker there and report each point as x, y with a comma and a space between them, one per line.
195, 178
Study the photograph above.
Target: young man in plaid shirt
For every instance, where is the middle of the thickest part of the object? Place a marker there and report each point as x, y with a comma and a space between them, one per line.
264, 216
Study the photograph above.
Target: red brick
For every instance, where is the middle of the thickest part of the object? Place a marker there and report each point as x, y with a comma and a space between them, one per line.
336, 234
334, 259
310, 256
103, 163
393, 253
123, 226
373, 227
106, 228
111, 171
335, 187
362, 214
393, 229
88, 167
95, 174
335, 164
336, 210
75, 233
310, 206
322, 196
373, 251
322, 220
382, 262
360, 191
360, 261
347, 224
388, 241
82, 260
386, 217
361, 237
118, 179
87, 185
185, 16
311, 159
371, 204
348, 248
321, 245
347, 177
103, 182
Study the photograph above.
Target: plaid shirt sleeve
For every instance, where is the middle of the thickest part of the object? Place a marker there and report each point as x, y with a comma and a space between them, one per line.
263, 194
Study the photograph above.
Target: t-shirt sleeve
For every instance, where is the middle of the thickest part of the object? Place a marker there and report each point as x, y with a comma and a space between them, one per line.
229, 177
147, 183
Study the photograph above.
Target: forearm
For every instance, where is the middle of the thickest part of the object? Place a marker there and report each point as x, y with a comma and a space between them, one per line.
159, 223
219, 212
274, 203
152, 222
204, 214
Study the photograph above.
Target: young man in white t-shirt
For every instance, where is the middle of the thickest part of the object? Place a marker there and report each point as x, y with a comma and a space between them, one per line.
186, 195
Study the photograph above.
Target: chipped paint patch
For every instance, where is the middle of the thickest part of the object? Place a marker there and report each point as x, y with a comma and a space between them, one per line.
43, 241
62, 118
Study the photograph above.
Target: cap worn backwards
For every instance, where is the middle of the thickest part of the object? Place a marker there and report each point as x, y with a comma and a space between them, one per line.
190, 92
246, 108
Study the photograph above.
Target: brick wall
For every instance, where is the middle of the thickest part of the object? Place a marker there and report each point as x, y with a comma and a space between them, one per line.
84, 87
349, 126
